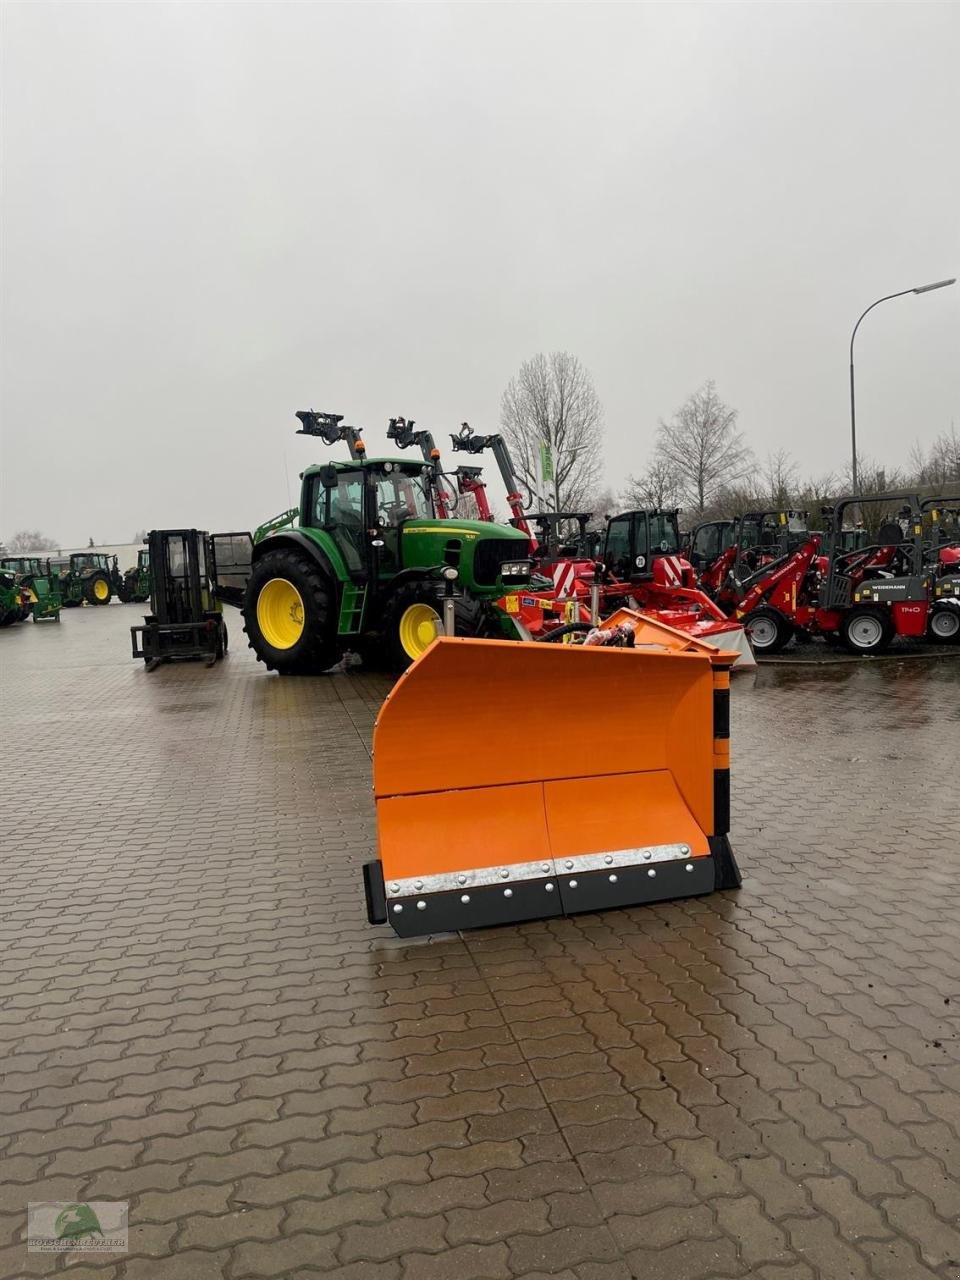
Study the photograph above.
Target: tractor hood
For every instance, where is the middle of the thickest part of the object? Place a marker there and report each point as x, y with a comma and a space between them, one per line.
465, 530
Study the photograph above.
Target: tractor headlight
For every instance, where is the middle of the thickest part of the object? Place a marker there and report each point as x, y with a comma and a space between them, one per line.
516, 569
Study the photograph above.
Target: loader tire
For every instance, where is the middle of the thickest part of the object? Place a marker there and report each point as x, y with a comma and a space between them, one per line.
768, 630
944, 624
97, 590
866, 630
288, 615
413, 617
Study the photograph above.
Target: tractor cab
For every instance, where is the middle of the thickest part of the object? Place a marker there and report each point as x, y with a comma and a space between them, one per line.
25, 566
85, 561
365, 507
637, 541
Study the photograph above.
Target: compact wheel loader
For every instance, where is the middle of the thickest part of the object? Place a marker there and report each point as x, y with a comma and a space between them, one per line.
630, 804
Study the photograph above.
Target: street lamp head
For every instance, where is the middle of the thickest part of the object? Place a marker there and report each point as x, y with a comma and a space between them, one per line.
940, 284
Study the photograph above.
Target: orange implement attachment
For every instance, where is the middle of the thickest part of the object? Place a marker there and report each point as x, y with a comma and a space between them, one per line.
626, 803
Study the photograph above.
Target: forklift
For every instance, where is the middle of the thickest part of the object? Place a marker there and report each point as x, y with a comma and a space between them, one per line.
186, 622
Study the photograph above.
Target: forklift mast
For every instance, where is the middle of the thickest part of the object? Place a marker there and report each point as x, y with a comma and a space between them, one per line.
327, 426
466, 441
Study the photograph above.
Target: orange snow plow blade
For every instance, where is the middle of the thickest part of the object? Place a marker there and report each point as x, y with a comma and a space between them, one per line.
626, 803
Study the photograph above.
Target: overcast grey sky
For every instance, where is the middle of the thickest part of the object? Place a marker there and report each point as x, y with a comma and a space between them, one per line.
218, 214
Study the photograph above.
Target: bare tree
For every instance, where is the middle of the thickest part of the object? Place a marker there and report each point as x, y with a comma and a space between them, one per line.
30, 540
780, 477
603, 503
703, 446
657, 486
552, 401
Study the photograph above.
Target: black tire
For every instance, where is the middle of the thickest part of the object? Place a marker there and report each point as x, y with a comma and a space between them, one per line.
318, 648
471, 618
768, 630
90, 589
72, 604
944, 624
866, 630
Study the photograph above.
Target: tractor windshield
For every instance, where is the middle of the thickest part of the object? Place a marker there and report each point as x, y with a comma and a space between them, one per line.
401, 496
664, 535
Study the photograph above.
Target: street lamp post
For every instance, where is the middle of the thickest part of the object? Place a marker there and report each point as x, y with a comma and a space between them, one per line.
923, 288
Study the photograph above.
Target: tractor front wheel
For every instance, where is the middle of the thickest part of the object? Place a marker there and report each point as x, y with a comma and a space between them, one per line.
288, 615
98, 590
944, 624
413, 618
768, 629
866, 630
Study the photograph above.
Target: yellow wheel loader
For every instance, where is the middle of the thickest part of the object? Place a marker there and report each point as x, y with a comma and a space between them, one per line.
630, 803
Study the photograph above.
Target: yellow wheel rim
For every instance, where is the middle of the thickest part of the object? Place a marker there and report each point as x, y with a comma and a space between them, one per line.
100, 589
280, 613
419, 627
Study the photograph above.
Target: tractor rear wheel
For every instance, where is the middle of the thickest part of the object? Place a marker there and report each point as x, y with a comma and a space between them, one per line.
288, 615
944, 625
769, 631
866, 630
97, 590
413, 618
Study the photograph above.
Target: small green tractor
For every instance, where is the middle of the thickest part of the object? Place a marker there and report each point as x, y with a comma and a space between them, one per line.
364, 565
135, 584
41, 582
89, 576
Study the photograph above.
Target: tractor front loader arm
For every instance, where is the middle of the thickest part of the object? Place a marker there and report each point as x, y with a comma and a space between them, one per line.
467, 441
328, 427
401, 431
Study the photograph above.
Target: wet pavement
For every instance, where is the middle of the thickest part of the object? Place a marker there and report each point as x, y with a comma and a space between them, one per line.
196, 1017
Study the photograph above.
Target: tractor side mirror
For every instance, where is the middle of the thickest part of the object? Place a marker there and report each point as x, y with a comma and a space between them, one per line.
328, 476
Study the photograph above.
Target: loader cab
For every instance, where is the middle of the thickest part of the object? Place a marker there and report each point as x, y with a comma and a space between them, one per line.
709, 541
634, 540
893, 550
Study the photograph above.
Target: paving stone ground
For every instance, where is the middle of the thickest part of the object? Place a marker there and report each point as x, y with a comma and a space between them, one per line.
196, 1017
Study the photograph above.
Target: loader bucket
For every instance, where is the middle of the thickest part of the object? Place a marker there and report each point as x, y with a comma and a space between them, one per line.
480, 823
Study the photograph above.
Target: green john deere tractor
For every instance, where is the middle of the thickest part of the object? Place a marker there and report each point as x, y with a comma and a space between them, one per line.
14, 598
364, 564
42, 584
135, 584
89, 576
